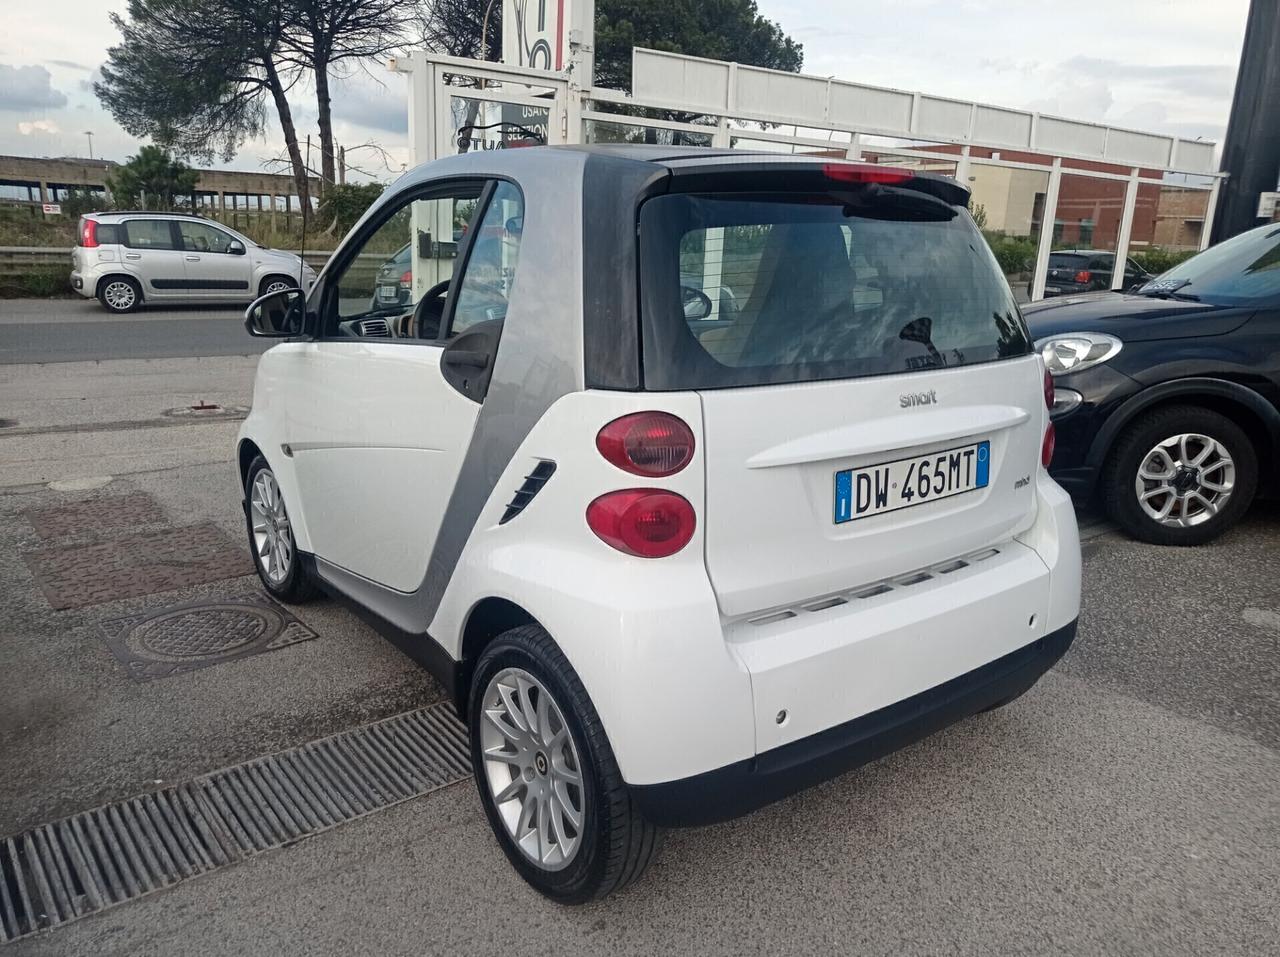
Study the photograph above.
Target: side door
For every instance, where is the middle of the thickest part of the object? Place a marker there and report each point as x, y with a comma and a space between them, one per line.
213, 270
152, 253
380, 423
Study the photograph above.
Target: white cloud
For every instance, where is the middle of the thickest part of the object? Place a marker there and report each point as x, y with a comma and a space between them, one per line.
27, 128
28, 88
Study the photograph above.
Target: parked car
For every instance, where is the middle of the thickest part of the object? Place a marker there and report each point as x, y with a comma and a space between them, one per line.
394, 283
127, 259
1085, 270
671, 570
1166, 401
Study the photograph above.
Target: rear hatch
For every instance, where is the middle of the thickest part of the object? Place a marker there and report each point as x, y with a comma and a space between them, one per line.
1068, 269
871, 406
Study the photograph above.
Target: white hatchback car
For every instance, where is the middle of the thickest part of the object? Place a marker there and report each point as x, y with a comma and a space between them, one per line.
671, 564
127, 259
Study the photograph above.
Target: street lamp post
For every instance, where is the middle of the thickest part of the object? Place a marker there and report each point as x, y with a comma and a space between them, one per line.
89, 133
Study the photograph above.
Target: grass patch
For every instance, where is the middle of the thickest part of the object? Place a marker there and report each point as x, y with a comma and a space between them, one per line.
36, 284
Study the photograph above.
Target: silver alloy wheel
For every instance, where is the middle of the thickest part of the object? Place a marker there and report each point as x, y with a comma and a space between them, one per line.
120, 295
277, 286
1185, 480
532, 769
272, 535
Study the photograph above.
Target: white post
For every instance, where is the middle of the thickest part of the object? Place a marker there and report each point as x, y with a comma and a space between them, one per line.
1210, 210
962, 167
1126, 230
1047, 221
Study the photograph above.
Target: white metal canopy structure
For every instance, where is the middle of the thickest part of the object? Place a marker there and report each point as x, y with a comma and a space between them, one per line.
1041, 184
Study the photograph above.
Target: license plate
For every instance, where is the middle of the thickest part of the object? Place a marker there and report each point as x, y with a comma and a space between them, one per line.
903, 483
386, 292
1053, 289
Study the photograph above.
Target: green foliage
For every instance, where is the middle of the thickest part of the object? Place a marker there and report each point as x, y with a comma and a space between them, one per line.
979, 214
1156, 259
1015, 254
347, 202
152, 179
81, 201
719, 29
40, 283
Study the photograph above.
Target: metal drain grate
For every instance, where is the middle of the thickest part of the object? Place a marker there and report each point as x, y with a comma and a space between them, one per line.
58, 872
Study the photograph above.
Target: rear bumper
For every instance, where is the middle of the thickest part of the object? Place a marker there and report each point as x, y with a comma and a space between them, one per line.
744, 786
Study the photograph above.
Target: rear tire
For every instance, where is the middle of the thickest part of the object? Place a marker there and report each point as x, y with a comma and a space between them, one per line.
119, 294
614, 844
271, 284
1206, 462
275, 554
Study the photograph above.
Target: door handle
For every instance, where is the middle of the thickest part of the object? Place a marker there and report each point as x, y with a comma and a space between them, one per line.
193, 259
467, 358
133, 255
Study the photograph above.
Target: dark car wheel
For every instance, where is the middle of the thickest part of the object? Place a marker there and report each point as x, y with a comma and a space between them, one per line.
272, 284
1180, 475
271, 537
120, 294
547, 776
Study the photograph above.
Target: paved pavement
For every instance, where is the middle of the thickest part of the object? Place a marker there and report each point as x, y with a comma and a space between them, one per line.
1129, 804
75, 330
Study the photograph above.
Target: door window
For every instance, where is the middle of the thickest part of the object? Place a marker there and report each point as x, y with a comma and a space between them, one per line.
398, 282
491, 267
201, 238
148, 234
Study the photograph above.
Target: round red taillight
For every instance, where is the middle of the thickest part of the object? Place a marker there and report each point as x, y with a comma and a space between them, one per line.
645, 522
1048, 390
1046, 447
647, 443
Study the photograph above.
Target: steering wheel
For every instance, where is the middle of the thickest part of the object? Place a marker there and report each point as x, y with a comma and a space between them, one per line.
429, 312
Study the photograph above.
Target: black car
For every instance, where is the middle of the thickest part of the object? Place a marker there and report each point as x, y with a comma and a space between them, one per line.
1167, 402
1075, 271
393, 284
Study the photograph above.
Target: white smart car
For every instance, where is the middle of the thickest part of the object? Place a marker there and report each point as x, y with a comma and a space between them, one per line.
671, 563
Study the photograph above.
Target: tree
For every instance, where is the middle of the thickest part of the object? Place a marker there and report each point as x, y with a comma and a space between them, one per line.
193, 75
456, 27
323, 34
348, 202
152, 179
717, 29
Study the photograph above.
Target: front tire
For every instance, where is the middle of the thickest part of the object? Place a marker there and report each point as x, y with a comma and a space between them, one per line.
272, 284
1180, 475
275, 554
120, 294
547, 777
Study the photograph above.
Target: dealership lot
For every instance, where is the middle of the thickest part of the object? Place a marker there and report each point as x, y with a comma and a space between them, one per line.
1130, 803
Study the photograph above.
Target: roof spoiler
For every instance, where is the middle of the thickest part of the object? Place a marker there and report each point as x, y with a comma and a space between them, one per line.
771, 175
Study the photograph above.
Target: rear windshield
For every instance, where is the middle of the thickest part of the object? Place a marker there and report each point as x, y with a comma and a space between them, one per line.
1067, 261
750, 289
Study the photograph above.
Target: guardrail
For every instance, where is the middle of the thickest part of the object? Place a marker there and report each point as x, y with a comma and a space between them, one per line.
18, 260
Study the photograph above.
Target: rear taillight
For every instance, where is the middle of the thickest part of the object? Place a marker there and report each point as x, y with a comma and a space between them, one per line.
1048, 390
1046, 447
648, 523
88, 233
655, 444
406, 281
1083, 276
853, 173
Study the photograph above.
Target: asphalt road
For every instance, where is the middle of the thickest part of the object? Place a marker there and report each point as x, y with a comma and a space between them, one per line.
76, 330
1130, 804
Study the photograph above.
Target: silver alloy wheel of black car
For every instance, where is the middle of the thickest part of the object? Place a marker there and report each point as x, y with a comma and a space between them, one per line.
1185, 480
532, 769
119, 295
272, 534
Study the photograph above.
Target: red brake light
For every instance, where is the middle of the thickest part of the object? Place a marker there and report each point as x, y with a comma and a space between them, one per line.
406, 281
1083, 276
865, 173
89, 234
1048, 390
647, 523
1047, 446
647, 443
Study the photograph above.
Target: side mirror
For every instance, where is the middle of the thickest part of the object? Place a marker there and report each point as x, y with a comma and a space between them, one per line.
277, 315
235, 247
697, 304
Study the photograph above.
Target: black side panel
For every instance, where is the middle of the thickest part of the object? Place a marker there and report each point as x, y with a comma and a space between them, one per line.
612, 190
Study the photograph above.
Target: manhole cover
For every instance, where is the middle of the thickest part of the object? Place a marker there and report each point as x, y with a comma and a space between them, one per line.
188, 637
139, 564
96, 515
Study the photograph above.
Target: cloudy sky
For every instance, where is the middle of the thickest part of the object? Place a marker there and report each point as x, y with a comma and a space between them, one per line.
1164, 65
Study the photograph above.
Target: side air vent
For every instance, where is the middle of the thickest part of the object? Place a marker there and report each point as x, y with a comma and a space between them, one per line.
374, 329
532, 485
